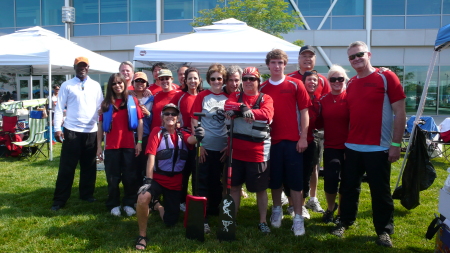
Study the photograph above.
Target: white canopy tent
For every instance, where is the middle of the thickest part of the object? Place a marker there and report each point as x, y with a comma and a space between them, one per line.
37, 51
228, 41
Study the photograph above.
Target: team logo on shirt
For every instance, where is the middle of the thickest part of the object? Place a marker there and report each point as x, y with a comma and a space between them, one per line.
285, 91
370, 85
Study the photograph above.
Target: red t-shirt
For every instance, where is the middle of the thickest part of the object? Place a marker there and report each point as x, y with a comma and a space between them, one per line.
323, 86
171, 183
371, 120
160, 100
246, 150
335, 117
289, 98
131, 87
313, 112
119, 135
184, 101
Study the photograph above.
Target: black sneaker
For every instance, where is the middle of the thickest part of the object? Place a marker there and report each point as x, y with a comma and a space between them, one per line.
339, 230
263, 227
384, 240
337, 219
328, 215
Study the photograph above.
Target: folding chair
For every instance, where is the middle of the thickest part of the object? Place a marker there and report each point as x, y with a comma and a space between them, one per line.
8, 135
442, 144
36, 140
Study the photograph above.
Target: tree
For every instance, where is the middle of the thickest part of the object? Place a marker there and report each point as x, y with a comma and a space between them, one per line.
270, 16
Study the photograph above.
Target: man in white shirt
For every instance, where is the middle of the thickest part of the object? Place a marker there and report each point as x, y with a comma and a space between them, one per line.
82, 96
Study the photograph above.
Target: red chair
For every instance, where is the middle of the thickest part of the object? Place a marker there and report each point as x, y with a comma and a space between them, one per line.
8, 135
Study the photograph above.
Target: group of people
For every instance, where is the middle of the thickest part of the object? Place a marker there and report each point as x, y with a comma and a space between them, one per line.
151, 129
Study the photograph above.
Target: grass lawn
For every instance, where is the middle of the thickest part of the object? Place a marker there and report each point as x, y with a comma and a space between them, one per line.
28, 225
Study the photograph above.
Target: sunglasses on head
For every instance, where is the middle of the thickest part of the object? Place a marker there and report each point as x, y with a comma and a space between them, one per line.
334, 79
116, 83
212, 79
251, 79
164, 78
359, 55
170, 113
139, 81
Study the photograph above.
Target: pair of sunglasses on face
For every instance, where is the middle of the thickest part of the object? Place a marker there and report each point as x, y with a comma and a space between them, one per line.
170, 113
359, 55
337, 79
251, 79
140, 81
116, 83
212, 79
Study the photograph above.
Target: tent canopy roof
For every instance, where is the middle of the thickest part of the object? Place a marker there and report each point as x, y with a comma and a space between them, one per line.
228, 41
443, 38
30, 51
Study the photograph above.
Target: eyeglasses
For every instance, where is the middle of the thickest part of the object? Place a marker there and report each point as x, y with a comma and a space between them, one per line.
165, 78
359, 55
251, 79
56, 89
338, 79
170, 113
139, 81
116, 83
212, 79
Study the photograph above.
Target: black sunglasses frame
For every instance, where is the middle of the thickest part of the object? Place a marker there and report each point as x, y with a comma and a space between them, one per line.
171, 113
251, 79
212, 79
359, 55
339, 79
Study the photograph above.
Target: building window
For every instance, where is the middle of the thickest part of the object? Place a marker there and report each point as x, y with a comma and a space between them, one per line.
142, 10
313, 7
420, 7
388, 22
413, 84
113, 11
177, 26
388, 7
7, 17
347, 22
444, 90
86, 11
28, 13
423, 22
113, 29
142, 27
178, 9
86, 30
349, 7
51, 12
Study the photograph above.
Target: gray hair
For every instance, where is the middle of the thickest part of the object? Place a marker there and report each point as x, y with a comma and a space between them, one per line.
337, 69
234, 69
358, 44
126, 63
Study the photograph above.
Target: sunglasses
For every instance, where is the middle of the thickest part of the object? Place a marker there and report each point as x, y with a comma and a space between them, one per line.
251, 79
338, 79
139, 81
212, 79
170, 113
165, 78
359, 55
116, 83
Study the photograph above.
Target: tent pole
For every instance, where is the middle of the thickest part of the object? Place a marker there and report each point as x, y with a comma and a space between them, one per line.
50, 127
419, 111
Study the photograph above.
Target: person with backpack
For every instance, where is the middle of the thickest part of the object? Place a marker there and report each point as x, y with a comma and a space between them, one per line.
121, 117
250, 151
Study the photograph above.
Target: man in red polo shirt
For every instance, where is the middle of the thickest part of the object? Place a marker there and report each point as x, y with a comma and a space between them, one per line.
373, 141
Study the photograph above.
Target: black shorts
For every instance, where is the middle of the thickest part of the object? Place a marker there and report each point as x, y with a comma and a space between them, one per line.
254, 175
171, 202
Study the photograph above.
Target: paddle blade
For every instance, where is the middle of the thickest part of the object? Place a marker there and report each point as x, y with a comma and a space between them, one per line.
227, 220
194, 217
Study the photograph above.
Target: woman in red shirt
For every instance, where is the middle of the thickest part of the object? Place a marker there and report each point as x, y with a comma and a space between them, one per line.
335, 117
167, 153
184, 100
162, 97
120, 118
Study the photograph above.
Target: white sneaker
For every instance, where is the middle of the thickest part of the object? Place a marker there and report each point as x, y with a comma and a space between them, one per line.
284, 199
116, 211
206, 228
129, 210
183, 207
290, 210
305, 213
298, 225
314, 205
276, 217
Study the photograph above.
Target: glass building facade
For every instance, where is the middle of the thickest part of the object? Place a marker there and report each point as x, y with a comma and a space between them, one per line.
131, 17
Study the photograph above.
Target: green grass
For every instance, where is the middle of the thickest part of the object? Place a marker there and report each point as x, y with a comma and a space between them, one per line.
28, 225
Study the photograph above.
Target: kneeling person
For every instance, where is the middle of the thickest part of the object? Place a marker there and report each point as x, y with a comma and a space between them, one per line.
250, 150
166, 145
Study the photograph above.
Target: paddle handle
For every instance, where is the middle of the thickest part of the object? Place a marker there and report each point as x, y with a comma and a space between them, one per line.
230, 157
198, 145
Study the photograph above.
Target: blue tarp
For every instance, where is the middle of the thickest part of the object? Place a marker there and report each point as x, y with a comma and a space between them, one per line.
443, 38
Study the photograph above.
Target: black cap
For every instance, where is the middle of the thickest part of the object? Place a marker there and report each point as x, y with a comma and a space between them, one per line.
171, 106
307, 48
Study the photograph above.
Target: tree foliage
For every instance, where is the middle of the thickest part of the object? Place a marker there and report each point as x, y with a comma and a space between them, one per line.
270, 16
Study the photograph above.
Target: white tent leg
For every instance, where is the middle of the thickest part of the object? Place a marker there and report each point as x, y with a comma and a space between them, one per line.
50, 127
419, 111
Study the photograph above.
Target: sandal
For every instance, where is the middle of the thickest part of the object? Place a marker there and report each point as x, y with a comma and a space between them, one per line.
138, 242
153, 204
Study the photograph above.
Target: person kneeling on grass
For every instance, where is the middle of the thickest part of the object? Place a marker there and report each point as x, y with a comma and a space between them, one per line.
167, 150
